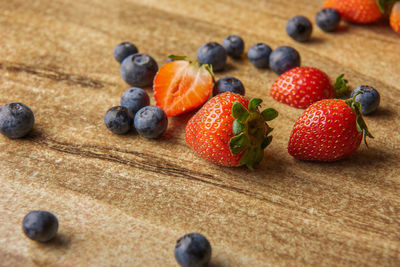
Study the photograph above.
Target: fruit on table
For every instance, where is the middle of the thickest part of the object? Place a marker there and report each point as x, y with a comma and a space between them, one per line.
181, 86
151, 122
328, 130
193, 250
328, 19
369, 98
118, 120
395, 17
228, 84
139, 70
259, 54
230, 130
213, 54
357, 11
122, 50
284, 58
234, 46
299, 28
16, 120
133, 99
40, 225
302, 86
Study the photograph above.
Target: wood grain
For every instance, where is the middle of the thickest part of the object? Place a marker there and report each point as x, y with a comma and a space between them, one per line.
124, 200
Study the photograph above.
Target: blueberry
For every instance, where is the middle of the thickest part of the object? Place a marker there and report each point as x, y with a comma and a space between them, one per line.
299, 28
228, 84
369, 99
133, 99
259, 54
213, 54
122, 50
193, 250
139, 70
328, 19
234, 46
16, 120
118, 120
151, 122
40, 225
283, 59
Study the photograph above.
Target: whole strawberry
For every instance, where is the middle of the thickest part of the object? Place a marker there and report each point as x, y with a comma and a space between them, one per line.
357, 11
302, 86
328, 130
230, 130
395, 17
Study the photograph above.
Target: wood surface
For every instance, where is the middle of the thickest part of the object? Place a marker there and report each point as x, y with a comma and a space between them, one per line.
125, 200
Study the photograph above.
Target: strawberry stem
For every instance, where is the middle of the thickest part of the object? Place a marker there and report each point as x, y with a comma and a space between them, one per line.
383, 3
360, 123
251, 131
340, 87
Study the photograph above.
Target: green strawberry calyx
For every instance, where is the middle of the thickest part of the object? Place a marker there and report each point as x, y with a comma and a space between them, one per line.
251, 131
360, 123
383, 3
195, 63
341, 88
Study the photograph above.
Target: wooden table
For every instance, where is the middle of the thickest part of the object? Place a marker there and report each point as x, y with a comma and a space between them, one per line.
124, 200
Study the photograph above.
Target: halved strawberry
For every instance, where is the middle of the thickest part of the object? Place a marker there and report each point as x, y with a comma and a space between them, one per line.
181, 86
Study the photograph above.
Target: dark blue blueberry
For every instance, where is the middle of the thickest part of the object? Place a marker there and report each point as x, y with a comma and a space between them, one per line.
213, 54
283, 59
122, 50
40, 225
259, 54
234, 46
151, 122
118, 120
139, 70
16, 120
193, 250
228, 84
369, 99
299, 28
133, 99
328, 19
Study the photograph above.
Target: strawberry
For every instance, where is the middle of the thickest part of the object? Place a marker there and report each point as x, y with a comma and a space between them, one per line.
392, 6
181, 86
328, 130
357, 11
302, 86
395, 17
230, 130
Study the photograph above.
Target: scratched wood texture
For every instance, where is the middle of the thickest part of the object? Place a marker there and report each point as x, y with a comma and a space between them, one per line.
124, 200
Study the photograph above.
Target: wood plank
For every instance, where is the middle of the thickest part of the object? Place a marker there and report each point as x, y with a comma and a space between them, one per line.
124, 200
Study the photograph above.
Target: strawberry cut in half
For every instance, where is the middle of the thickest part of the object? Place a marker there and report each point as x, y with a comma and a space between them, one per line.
181, 86
230, 130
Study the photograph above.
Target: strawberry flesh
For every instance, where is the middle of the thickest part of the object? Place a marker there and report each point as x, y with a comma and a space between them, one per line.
181, 86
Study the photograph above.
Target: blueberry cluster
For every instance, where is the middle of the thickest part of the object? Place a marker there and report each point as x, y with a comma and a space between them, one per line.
300, 27
260, 55
134, 111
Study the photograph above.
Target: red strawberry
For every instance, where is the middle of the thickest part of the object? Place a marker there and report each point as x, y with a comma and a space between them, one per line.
328, 130
229, 130
181, 86
395, 17
302, 86
357, 11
